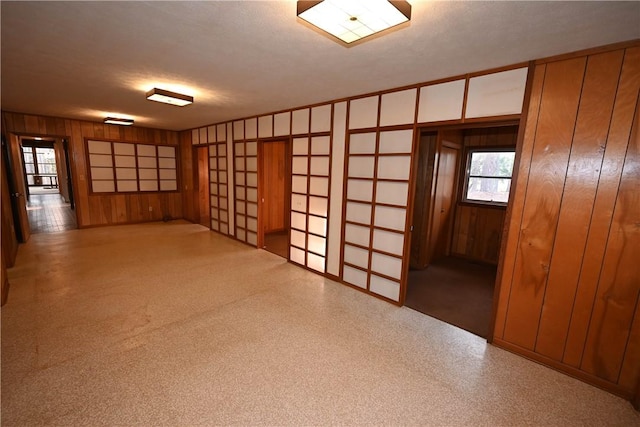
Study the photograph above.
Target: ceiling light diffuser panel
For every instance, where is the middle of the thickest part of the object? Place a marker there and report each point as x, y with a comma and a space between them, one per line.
118, 121
168, 97
352, 20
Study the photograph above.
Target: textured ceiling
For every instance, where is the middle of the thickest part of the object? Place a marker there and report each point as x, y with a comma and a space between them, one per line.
85, 60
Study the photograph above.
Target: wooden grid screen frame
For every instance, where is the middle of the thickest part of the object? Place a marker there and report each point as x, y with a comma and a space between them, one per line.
246, 190
129, 167
310, 186
218, 187
376, 195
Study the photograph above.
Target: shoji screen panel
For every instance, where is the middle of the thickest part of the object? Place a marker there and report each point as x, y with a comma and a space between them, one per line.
246, 190
126, 167
219, 187
377, 195
310, 201
101, 163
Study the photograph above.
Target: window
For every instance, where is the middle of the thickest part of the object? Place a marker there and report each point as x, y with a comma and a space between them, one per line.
39, 165
488, 176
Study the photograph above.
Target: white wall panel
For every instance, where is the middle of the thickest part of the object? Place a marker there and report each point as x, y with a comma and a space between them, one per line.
203, 136
356, 256
398, 108
358, 189
320, 145
362, 143
127, 185
318, 225
222, 133
238, 130
299, 202
103, 186
394, 167
363, 113
100, 147
357, 234
211, 134
387, 217
281, 124
299, 184
496, 94
300, 146
361, 167
299, 165
124, 149
296, 255
388, 241
195, 137
354, 276
392, 193
319, 186
252, 148
298, 238
385, 287
317, 244
318, 206
300, 122
251, 128
315, 262
387, 265
358, 212
441, 101
319, 166
397, 141
265, 126
299, 221
321, 118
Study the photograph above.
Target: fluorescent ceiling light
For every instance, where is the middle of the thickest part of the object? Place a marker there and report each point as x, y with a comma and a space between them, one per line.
118, 121
351, 20
168, 97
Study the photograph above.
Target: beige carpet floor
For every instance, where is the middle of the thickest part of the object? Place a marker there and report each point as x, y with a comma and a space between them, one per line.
171, 324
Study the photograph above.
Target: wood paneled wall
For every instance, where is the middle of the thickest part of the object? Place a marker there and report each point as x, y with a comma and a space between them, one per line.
478, 229
570, 279
95, 209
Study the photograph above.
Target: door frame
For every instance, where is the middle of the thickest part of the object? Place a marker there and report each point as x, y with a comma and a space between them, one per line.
261, 184
412, 193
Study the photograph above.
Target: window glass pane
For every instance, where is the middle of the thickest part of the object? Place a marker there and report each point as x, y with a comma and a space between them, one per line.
28, 156
30, 180
47, 169
486, 163
29, 167
489, 189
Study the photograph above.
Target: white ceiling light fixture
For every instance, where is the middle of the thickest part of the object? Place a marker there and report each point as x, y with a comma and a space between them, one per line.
118, 121
352, 20
168, 97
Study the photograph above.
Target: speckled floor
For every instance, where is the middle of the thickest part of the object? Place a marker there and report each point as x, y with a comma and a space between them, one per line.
171, 324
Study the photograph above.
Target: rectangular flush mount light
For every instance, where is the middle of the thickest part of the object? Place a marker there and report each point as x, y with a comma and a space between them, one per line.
168, 97
118, 121
352, 20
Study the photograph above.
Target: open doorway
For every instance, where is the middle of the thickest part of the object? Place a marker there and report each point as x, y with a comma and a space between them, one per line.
461, 194
47, 184
275, 194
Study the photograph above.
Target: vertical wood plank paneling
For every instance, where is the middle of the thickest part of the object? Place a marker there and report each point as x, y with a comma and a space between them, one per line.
592, 126
559, 106
101, 209
619, 284
623, 113
518, 195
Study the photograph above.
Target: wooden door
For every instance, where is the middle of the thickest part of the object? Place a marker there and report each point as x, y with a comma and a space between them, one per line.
274, 187
17, 182
203, 186
443, 201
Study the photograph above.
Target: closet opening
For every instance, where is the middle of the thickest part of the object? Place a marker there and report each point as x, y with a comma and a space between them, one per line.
461, 195
275, 196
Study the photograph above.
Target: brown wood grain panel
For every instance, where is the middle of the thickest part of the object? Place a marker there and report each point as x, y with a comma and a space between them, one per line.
32, 125
630, 372
592, 126
523, 161
611, 169
619, 285
554, 132
274, 188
